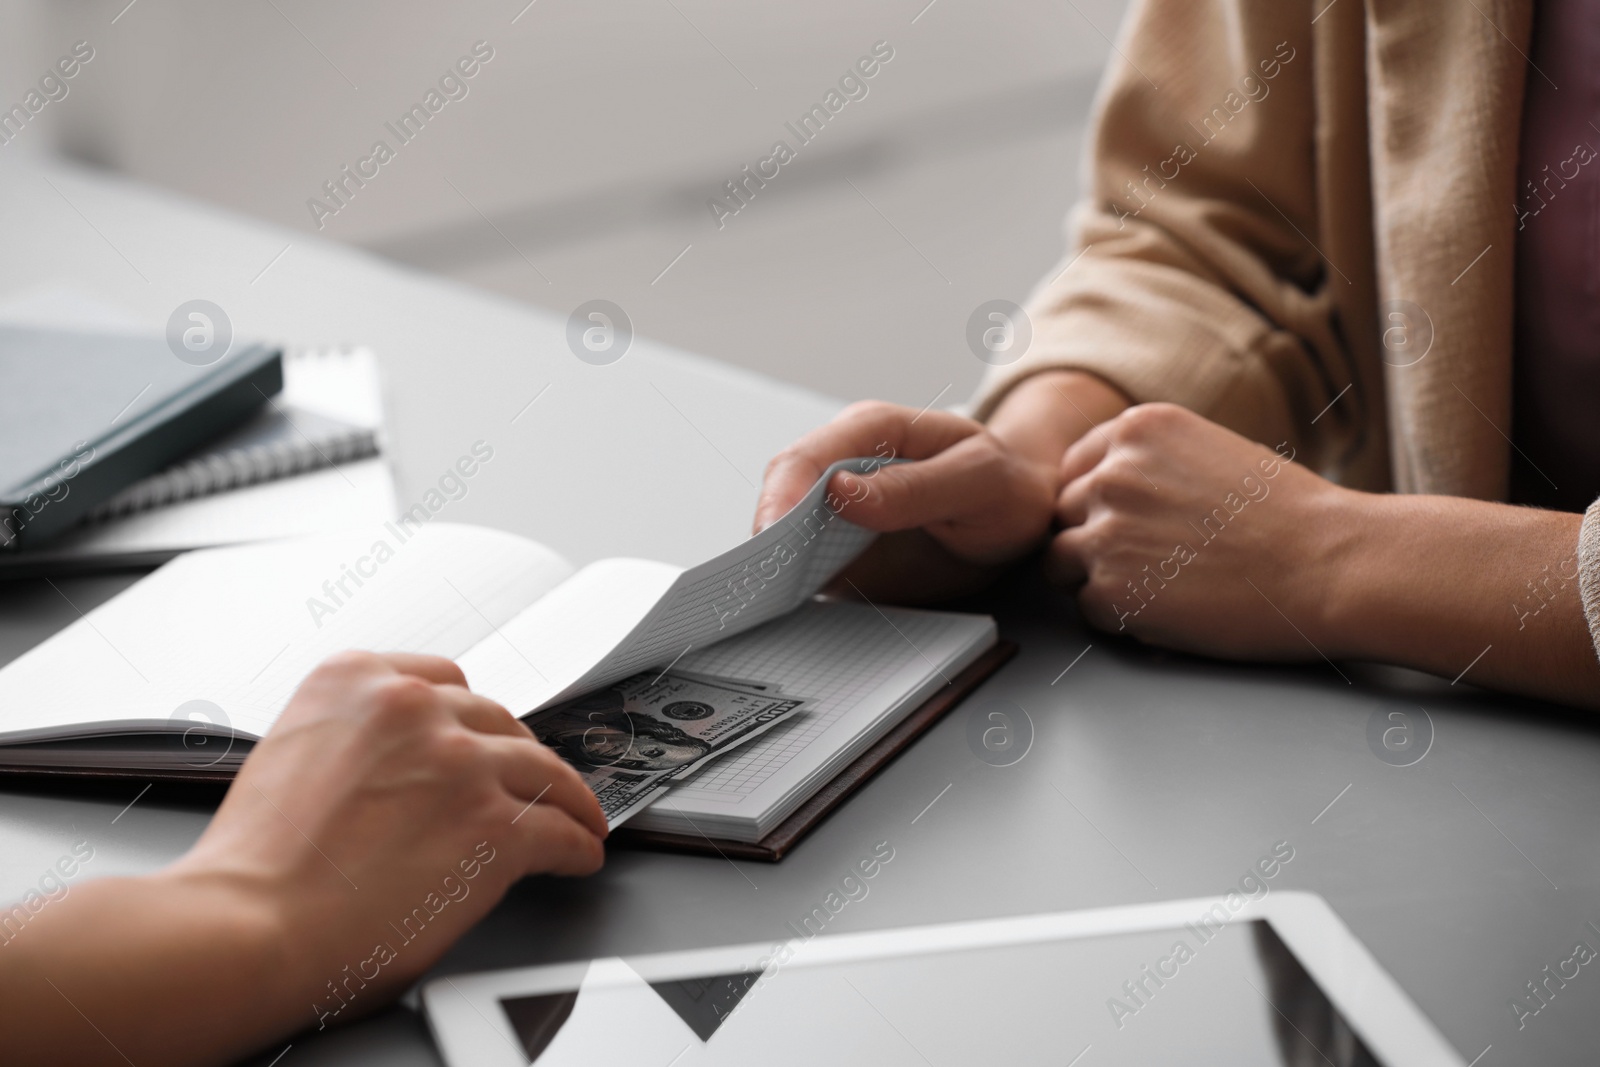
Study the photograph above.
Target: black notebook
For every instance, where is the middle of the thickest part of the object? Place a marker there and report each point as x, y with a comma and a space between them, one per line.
83, 416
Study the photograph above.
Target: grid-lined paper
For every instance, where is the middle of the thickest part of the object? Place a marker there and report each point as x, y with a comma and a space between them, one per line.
835, 654
770, 574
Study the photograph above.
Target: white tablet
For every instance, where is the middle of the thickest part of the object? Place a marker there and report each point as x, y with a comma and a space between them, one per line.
1279, 980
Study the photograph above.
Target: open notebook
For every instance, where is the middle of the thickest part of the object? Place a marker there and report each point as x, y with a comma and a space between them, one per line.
193, 663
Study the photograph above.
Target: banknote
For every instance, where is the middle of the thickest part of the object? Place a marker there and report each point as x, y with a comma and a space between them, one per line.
631, 739
732, 683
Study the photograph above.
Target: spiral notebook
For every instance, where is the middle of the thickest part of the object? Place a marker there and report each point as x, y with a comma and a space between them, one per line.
277, 442
309, 461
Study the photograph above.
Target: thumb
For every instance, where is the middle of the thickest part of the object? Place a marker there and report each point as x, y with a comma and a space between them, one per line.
955, 483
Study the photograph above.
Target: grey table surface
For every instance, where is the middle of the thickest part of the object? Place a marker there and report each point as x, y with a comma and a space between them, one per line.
1150, 777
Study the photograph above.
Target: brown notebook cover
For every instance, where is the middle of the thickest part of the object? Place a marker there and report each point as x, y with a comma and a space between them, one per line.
202, 779
208, 784
787, 834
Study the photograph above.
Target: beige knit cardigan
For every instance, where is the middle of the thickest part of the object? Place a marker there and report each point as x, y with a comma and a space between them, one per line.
1300, 223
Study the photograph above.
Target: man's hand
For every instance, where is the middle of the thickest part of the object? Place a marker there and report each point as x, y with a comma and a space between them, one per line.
978, 495
1186, 535
384, 782
387, 811
982, 501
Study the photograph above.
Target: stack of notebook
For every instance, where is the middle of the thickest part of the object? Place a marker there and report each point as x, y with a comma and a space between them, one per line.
277, 442
297, 460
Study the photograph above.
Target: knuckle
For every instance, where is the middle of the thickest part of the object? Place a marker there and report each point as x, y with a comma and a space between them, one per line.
987, 453
1099, 535
1105, 585
497, 712
401, 697
1117, 481
1137, 421
1094, 490
782, 459
1147, 420
541, 764
515, 726
550, 762
349, 661
450, 669
1132, 424
456, 754
870, 411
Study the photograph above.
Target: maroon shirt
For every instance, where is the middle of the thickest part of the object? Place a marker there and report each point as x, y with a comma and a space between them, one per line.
1556, 362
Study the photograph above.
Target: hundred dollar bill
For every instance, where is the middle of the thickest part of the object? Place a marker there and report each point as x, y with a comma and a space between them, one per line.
632, 738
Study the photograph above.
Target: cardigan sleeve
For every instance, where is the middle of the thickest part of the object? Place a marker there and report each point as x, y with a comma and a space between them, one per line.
1589, 570
1192, 274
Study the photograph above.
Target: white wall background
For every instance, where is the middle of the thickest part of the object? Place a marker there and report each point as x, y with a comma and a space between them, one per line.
579, 163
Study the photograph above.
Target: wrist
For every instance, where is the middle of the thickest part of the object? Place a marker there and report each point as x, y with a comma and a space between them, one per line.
244, 922
1355, 582
1042, 415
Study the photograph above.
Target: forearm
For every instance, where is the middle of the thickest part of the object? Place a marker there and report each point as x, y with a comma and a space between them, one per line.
413, 784
158, 969
1444, 583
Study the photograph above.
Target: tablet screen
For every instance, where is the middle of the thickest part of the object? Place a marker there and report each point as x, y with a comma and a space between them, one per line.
1230, 995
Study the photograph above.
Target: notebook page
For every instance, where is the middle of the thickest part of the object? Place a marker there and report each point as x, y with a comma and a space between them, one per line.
553, 642
241, 627
769, 574
620, 616
859, 664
